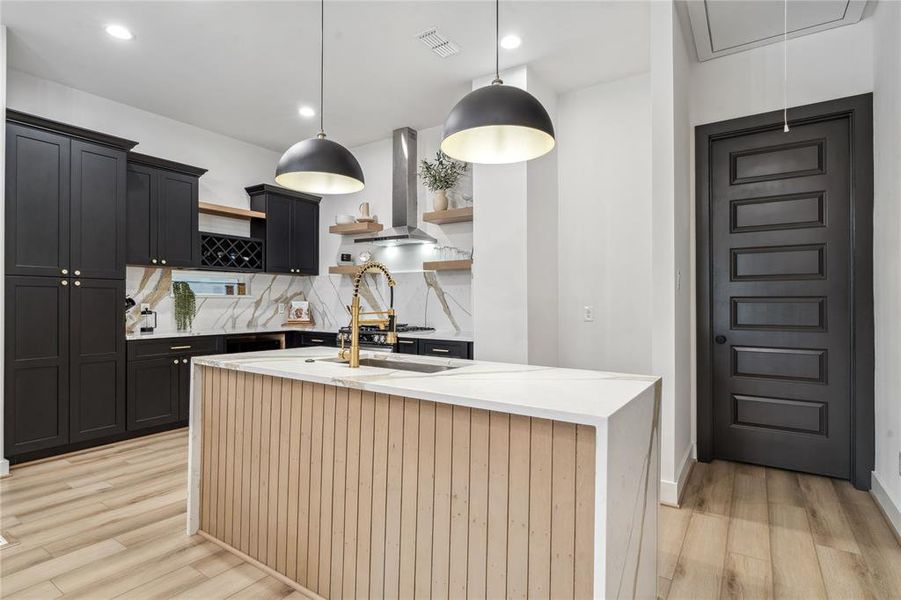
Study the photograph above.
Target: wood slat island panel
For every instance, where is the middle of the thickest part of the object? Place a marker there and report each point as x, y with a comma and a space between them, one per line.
356, 494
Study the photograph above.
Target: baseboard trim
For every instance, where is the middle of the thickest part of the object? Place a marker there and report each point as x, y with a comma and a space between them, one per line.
261, 566
671, 491
884, 502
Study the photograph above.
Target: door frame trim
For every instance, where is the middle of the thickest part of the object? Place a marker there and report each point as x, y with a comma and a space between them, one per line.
859, 111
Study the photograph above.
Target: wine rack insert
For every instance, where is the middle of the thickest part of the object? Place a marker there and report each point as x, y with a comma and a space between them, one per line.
231, 253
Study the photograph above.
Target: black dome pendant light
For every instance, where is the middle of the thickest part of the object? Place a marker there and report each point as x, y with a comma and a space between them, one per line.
317, 165
497, 124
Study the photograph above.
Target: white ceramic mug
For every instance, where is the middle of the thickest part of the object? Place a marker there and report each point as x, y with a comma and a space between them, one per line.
364, 210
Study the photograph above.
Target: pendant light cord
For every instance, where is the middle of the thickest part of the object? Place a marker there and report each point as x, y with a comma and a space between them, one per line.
321, 69
497, 43
785, 128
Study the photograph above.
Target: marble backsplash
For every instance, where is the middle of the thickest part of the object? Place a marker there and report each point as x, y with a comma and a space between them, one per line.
442, 300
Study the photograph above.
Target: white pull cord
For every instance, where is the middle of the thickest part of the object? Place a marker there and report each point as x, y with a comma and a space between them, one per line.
785, 66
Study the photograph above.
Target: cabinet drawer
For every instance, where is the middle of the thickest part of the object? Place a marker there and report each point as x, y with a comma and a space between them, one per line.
444, 348
407, 346
182, 346
318, 339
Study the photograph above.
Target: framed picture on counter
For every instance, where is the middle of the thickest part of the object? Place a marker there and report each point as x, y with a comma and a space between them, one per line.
300, 313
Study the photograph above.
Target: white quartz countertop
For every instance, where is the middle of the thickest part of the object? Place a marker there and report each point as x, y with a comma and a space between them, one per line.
157, 335
571, 395
460, 336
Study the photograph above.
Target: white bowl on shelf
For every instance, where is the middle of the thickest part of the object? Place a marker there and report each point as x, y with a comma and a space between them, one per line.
344, 219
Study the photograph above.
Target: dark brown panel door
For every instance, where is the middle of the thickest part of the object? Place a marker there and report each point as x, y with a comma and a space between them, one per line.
781, 312
305, 237
97, 358
97, 211
153, 387
37, 364
37, 202
141, 216
178, 239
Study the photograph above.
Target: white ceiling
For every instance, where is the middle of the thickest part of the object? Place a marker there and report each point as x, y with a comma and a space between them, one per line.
723, 27
244, 68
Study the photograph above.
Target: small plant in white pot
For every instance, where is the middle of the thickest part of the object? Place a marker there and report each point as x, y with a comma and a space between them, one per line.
440, 176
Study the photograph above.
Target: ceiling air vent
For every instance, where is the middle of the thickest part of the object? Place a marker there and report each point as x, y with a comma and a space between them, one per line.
437, 43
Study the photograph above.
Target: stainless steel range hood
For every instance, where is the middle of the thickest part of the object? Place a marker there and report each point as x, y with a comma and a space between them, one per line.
403, 197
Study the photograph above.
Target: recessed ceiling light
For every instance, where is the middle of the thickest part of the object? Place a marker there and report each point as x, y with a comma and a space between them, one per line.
120, 32
307, 112
510, 42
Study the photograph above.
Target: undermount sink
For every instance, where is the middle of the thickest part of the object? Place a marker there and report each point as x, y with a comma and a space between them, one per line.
400, 365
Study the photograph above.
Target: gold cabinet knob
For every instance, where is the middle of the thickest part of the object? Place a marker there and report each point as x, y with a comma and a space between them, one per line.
153, 260
64, 282
184, 361
65, 271
77, 283
175, 362
163, 261
77, 273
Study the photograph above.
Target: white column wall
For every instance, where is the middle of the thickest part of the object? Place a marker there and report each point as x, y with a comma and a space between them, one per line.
887, 256
4, 464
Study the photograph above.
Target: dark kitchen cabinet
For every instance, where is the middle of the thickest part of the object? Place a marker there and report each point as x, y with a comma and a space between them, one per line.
65, 361
291, 229
97, 211
65, 200
37, 201
162, 218
407, 346
96, 359
36, 379
153, 390
159, 378
431, 347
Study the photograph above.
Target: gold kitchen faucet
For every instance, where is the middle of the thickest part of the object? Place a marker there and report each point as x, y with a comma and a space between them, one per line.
389, 321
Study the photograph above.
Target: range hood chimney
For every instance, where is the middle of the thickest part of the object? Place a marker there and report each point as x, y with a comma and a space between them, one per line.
404, 213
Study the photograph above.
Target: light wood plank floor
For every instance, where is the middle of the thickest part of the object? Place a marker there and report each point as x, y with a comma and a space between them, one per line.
749, 532
109, 523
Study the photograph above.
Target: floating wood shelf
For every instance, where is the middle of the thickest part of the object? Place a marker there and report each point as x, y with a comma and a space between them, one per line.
352, 228
343, 270
451, 215
229, 211
447, 265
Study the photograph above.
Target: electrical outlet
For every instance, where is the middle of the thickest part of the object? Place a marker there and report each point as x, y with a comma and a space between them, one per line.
281, 308
678, 280
589, 314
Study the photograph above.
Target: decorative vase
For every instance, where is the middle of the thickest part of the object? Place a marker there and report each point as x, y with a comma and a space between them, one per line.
440, 201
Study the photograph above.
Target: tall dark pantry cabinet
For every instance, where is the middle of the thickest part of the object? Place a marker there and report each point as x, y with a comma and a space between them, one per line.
65, 286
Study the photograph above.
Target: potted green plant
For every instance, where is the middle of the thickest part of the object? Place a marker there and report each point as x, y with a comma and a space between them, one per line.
185, 305
440, 176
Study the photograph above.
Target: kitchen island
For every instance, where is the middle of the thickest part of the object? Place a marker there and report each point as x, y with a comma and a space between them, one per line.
480, 479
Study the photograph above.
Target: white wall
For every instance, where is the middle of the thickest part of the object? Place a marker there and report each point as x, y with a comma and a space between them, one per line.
500, 267
232, 164
604, 158
826, 65
887, 249
671, 201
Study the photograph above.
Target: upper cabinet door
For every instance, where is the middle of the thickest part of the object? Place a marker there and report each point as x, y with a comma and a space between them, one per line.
37, 202
305, 237
141, 211
178, 238
36, 387
279, 256
96, 358
98, 193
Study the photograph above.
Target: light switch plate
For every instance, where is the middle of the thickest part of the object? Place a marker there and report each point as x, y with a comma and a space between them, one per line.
588, 314
281, 308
